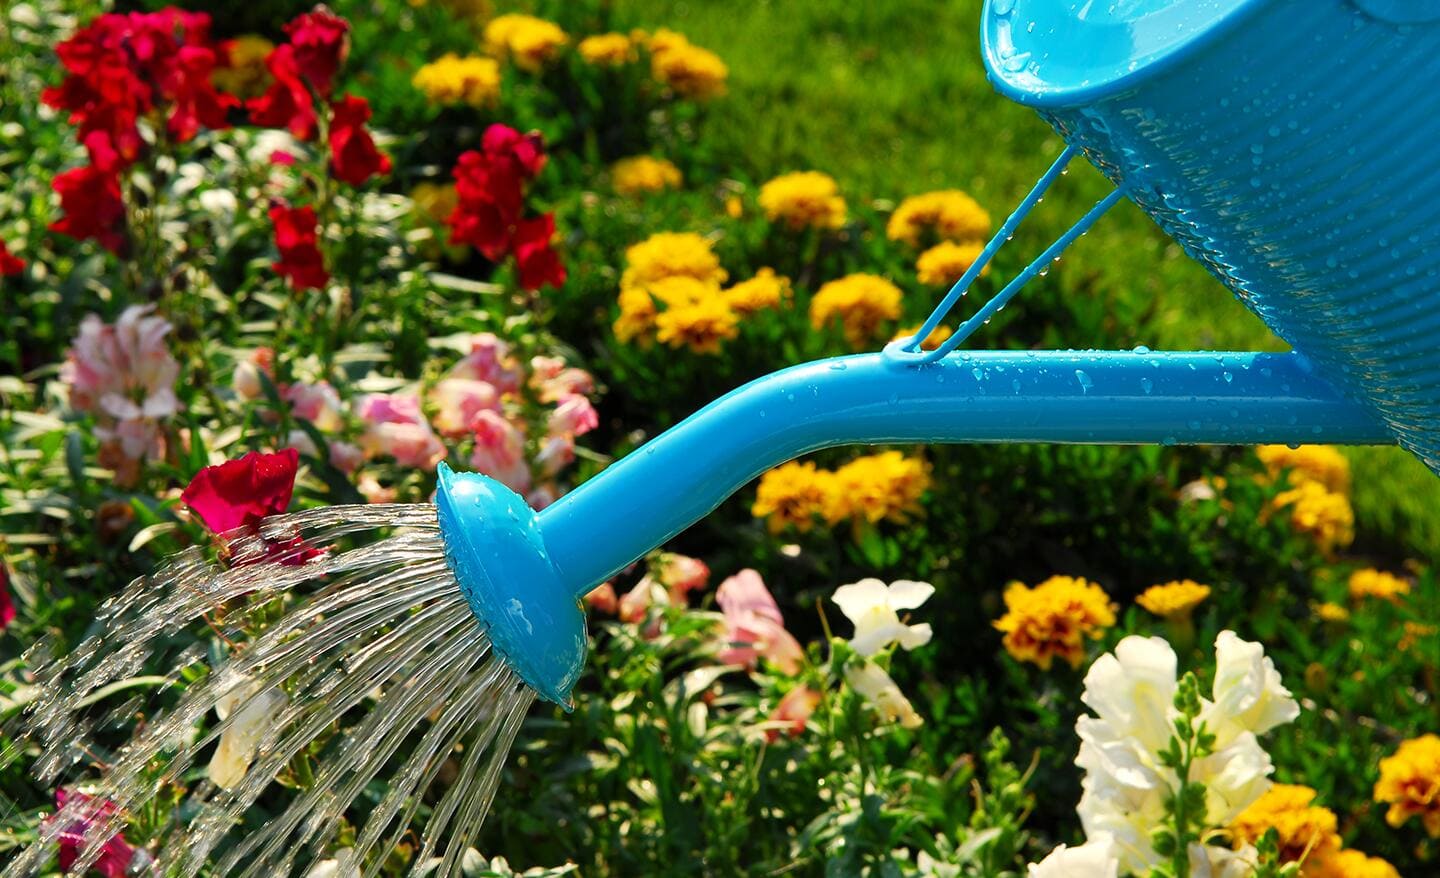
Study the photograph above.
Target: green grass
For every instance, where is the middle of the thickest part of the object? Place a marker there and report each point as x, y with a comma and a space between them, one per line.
891, 98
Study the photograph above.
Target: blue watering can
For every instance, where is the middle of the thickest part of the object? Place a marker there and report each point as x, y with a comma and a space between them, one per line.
1291, 146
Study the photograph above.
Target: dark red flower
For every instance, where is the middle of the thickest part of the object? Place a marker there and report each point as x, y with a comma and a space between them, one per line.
526, 152
537, 261
489, 201
95, 815
240, 492
93, 207
9, 265
296, 239
196, 103
7, 605
353, 156
320, 46
287, 103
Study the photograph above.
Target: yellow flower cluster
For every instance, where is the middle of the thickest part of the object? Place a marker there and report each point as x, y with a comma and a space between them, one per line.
691, 71
1372, 583
643, 173
949, 214
872, 488
473, 80
1308, 463
938, 336
765, 290
1354, 864
608, 50
1331, 612
1322, 514
671, 288
804, 199
861, 302
1410, 783
435, 200
943, 264
529, 42
245, 74
1054, 619
1307, 833
1173, 599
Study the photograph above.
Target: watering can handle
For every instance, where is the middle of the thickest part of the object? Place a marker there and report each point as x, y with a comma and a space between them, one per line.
1401, 11
908, 350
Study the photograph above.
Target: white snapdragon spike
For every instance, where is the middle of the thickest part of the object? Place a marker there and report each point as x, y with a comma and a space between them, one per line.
1212, 861
874, 609
342, 865
1096, 858
871, 681
1248, 693
238, 743
1234, 777
1132, 691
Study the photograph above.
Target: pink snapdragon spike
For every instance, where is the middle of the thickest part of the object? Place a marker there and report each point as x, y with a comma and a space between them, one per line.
490, 361
794, 710
754, 628
500, 451
7, 604
602, 599
396, 427
556, 382
460, 401
317, 403
681, 574
556, 453
573, 417
116, 855
123, 370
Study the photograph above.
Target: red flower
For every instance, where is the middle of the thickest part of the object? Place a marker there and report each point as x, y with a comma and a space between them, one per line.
7, 606
9, 265
526, 152
116, 854
296, 239
287, 103
320, 46
353, 156
93, 208
489, 185
537, 260
196, 102
241, 492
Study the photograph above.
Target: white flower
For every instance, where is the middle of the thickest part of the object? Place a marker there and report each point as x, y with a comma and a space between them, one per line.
1133, 690
254, 711
929, 867
1211, 861
871, 681
1234, 777
1248, 693
1096, 858
873, 607
342, 865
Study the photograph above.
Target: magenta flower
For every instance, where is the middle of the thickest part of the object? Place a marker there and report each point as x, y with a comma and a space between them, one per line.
754, 628
490, 361
7, 605
86, 817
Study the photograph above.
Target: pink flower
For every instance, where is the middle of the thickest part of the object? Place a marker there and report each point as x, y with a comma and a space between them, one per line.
794, 709
500, 451
573, 417
635, 602
89, 817
459, 401
555, 382
374, 492
246, 377
489, 360
7, 605
397, 428
556, 453
754, 627
124, 374
681, 574
602, 598
344, 456
541, 497
317, 403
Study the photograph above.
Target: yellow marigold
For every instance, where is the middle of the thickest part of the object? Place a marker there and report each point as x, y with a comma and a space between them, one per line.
702, 325
1331, 612
607, 50
792, 494
1308, 463
1413, 633
1307, 833
765, 290
1410, 783
1322, 514
435, 200
938, 336
1352, 864
671, 254
637, 315
1054, 619
804, 199
691, 71
950, 214
528, 41
1177, 598
943, 264
643, 173
878, 487
244, 72
1372, 583
860, 301
454, 80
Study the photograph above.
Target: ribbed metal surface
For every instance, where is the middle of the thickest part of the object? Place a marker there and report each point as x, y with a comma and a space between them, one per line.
1299, 159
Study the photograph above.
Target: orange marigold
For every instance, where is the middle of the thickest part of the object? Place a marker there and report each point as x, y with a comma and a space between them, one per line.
1307, 833
1308, 463
1054, 619
878, 487
861, 302
1321, 514
1178, 598
1372, 583
792, 495
1410, 783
